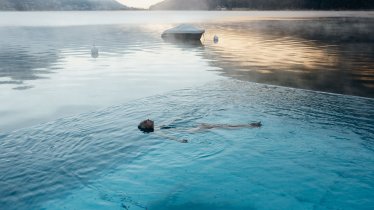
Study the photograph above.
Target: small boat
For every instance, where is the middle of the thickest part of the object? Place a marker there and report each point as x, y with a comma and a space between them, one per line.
184, 32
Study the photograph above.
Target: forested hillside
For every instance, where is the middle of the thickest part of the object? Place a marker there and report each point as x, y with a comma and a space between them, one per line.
30, 5
265, 4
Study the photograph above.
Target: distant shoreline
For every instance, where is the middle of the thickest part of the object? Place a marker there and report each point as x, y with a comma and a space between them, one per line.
154, 10
68, 10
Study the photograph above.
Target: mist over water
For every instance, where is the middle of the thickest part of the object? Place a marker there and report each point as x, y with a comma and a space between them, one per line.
68, 136
48, 72
324, 54
46, 55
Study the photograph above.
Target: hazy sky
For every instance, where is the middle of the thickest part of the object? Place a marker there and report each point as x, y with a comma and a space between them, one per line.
139, 3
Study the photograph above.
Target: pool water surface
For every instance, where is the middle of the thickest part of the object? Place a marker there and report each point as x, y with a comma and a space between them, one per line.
314, 151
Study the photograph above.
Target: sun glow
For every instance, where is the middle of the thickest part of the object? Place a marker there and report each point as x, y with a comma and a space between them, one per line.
139, 3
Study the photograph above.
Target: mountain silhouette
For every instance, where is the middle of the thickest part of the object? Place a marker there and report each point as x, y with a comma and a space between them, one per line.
45, 5
265, 4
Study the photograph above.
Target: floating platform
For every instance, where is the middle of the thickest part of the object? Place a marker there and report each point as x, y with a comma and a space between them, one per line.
184, 32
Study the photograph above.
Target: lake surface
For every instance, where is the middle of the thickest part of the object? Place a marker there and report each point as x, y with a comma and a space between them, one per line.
68, 136
47, 71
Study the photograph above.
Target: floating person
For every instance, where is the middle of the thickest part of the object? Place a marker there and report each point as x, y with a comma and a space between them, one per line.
215, 39
94, 52
147, 126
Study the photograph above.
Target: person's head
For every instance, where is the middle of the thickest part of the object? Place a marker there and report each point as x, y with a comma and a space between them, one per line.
146, 126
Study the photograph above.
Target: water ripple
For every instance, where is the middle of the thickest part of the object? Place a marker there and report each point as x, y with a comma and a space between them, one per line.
42, 162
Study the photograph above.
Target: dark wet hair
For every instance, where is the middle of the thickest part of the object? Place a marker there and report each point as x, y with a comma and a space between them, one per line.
143, 126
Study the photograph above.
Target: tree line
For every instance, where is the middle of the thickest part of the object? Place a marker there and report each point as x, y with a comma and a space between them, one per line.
267, 4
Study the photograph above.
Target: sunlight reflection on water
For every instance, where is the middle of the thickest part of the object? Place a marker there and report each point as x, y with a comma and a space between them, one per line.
314, 151
40, 63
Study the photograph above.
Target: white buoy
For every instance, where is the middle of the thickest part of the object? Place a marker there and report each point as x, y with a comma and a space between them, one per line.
94, 52
215, 39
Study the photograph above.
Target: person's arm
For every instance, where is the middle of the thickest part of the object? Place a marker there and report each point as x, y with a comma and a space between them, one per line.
170, 137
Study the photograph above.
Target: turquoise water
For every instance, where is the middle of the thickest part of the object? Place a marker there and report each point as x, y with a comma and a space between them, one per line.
315, 151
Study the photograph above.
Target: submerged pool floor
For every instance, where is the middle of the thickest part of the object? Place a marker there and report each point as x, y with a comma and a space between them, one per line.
314, 151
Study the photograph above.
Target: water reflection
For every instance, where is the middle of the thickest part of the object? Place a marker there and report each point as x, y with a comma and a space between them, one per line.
94, 52
30, 53
316, 54
48, 72
54, 75
40, 64
19, 65
184, 44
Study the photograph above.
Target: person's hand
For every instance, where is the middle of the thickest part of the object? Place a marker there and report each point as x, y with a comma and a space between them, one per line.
184, 141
